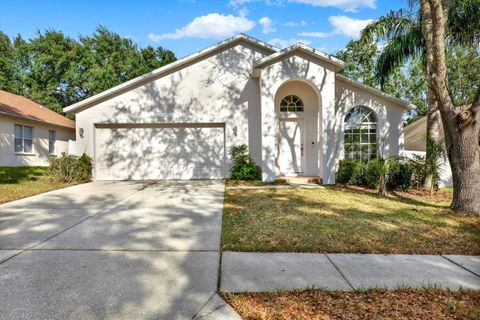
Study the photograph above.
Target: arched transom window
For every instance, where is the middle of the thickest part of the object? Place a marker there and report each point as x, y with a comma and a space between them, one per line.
291, 104
360, 134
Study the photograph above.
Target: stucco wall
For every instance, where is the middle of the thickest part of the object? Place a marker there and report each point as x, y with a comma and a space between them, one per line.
310, 119
389, 117
218, 89
321, 77
39, 156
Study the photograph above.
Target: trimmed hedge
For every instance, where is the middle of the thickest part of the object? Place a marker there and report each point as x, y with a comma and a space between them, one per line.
367, 174
69, 168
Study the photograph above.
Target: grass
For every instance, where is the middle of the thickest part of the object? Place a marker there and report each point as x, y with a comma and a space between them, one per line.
346, 220
22, 182
369, 304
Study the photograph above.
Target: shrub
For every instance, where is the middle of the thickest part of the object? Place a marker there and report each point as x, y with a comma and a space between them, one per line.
369, 174
84, 169
243, 167
69, 168
348, 171
419, 172
399, 175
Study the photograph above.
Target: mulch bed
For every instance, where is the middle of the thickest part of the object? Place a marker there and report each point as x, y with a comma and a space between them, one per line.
369, 304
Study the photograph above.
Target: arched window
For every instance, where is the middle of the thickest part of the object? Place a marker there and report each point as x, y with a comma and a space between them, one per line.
360, 134
291, 104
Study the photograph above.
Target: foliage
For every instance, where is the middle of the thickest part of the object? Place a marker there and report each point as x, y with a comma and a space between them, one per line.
370, 174
70, 168
56, 71
399, 175
83, 171
434, 159
359, 173
419, 172
243, 167
401, 57
348, 171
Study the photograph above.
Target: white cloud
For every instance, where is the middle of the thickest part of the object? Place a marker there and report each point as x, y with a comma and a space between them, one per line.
347, 5
348, 26
301, 23
316, 34
236, 3
283, 43
267, 25
341, 25
213, 25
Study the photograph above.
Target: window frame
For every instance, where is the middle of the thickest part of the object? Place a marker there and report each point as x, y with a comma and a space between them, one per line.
51, 143
292, 104
363, 136
23, 139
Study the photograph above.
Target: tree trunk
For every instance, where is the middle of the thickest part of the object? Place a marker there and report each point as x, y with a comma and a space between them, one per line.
464, 157
433, 133
462, 129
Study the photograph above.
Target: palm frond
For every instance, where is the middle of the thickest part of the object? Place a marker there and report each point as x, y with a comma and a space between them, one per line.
394, 24
464, 22
397, 51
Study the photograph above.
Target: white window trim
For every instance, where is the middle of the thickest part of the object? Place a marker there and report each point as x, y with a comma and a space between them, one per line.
54, 153
23, 153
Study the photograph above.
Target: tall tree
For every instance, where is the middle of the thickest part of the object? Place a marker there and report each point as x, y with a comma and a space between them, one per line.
462, 127
402, 32
57, 71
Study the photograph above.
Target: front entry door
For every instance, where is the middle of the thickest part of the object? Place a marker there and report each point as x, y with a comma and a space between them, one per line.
291, 147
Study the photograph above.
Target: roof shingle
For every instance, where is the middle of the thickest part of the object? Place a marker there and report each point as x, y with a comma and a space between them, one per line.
18, 106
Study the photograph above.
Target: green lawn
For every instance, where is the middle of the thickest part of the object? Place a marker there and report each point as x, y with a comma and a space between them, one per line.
335, 219
22, 182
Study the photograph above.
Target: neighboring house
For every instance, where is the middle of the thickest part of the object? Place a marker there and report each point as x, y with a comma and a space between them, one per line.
416, 143
30, 133
291, 107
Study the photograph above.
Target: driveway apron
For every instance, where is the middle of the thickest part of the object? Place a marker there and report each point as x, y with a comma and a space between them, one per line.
111, 250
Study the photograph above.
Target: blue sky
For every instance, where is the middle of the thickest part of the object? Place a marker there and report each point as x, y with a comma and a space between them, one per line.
185, 26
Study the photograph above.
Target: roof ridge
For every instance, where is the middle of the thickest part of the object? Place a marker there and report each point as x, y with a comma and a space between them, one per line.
167, 67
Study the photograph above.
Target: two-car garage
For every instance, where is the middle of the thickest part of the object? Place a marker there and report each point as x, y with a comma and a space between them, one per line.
159, 151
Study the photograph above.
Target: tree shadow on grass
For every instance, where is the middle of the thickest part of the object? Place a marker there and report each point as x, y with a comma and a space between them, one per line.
362, 222
14, 175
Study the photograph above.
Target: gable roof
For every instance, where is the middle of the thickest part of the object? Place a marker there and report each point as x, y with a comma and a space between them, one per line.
403, 103
299, 47
162, 70
13, 105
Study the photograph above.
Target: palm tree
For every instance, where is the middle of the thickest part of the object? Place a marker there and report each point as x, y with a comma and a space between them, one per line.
401, 31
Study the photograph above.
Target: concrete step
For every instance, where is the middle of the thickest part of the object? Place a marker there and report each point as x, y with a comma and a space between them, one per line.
300, 180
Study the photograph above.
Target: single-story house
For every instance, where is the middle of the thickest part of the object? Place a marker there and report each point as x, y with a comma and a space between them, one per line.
416, 144
292, 108
30, 133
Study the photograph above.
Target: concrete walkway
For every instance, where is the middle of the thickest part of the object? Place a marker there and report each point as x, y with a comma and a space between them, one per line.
113, 250
259, 272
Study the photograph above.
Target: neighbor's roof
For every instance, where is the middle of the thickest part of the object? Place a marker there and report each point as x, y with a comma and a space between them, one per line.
167, 68
299, 47
13, 105
415, 135
407, 105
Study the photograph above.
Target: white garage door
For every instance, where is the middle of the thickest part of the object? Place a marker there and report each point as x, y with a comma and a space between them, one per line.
169, 152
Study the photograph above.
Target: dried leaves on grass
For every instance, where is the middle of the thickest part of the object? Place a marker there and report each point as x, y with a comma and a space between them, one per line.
346, 220
370, 304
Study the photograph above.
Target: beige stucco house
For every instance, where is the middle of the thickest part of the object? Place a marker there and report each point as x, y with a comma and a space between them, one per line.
30, 133
293, 109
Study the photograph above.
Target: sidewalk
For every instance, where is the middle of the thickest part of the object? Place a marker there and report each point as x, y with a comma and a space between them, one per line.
257, 272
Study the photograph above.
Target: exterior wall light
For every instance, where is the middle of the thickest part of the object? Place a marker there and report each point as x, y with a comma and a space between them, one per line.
81, 132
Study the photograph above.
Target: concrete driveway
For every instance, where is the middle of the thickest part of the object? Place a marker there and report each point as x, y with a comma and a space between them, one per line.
111, 250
